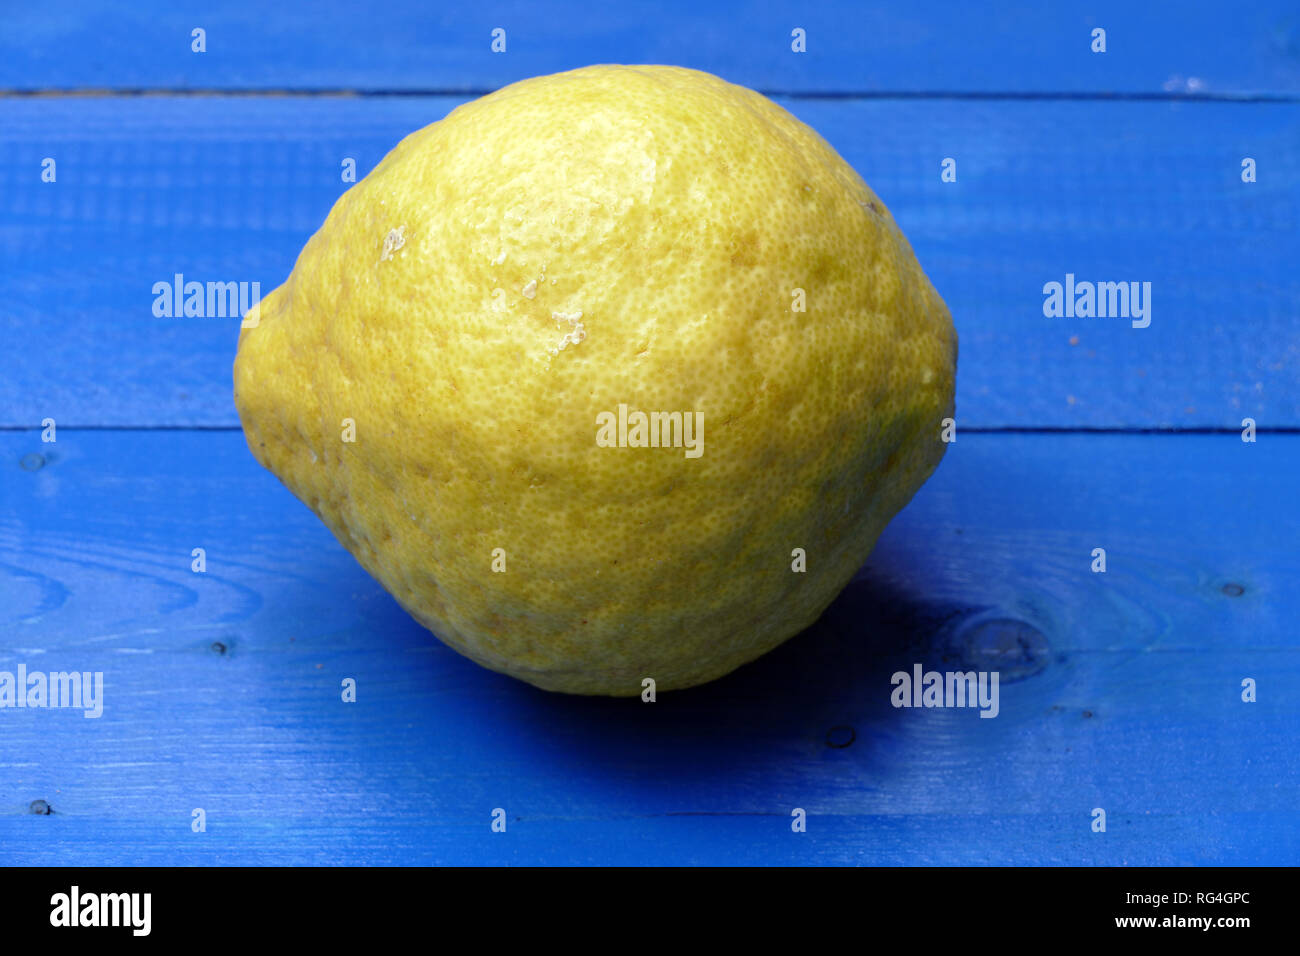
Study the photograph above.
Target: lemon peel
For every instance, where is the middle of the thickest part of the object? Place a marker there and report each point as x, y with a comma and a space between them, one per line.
729, 264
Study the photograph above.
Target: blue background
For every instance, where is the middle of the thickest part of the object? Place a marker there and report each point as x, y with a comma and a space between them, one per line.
1121, 690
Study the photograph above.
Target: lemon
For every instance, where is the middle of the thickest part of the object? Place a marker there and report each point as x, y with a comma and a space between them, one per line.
611, 376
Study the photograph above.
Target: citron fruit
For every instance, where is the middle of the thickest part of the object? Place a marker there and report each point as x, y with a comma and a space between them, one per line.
608, 376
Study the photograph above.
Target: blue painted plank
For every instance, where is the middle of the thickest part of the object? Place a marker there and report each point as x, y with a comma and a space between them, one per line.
229, 189
1122, 689
925, 45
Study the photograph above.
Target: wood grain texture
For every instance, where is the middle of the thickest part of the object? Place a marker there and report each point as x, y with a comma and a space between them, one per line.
229, 189
1122, 689
1017, 46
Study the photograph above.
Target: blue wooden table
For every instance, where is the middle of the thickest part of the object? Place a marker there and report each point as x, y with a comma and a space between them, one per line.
1121, 690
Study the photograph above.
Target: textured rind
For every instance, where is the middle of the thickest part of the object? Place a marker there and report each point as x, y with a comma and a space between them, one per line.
678, 214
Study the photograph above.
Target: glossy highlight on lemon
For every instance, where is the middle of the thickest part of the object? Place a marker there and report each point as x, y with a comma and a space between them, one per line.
432, 377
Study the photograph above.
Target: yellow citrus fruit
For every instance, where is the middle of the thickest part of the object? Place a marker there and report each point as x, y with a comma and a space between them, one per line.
608, 376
